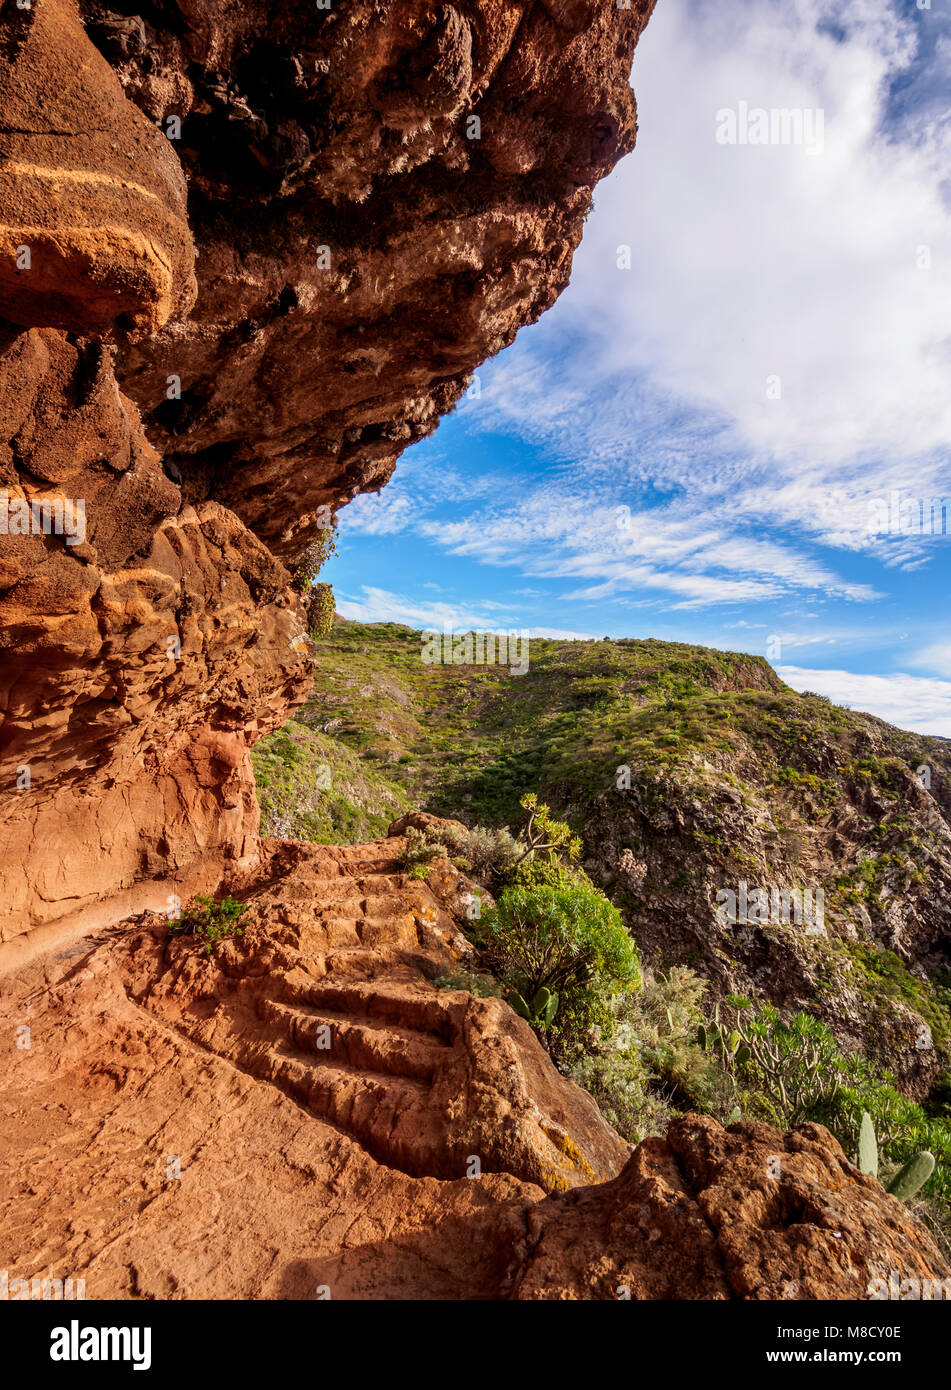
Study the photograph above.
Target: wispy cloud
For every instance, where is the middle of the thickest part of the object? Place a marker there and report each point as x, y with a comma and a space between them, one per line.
911, 702
382, 606
484, 615
827, 274
647, 460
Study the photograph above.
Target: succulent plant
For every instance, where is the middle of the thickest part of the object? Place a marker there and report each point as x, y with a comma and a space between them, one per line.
868, 1146
543, 1008
915, 1174
907, 1181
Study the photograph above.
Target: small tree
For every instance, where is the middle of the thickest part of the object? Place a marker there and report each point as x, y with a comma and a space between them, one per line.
544, 838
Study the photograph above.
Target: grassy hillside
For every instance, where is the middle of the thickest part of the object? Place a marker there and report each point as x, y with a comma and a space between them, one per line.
728, 776
468, 741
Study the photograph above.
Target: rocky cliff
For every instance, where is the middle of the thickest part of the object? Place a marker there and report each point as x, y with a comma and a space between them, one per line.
378, 197
247, 255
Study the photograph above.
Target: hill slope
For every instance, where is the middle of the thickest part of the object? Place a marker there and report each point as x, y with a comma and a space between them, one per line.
688, 773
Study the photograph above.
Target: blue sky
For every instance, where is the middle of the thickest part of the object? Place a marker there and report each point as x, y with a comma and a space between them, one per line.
701, 439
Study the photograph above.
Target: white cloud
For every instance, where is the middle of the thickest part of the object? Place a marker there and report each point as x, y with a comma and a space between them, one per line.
647, 387
912, 702
936, 657
484, 615
749, 261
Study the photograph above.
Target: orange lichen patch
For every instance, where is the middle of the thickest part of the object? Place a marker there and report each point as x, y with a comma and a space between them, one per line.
572, 1153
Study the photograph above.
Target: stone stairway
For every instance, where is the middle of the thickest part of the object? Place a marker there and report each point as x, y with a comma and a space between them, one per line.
328, 997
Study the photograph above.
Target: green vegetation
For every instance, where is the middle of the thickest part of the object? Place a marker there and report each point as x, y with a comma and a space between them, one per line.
554, 942
908, 1179
483, 986
541, 1012
566, 939
880, 976
466, 741
315, 557
486, 855
701, 768
789, 1071
209, 921
311, 787
321, 611
788, 1068
645, 1065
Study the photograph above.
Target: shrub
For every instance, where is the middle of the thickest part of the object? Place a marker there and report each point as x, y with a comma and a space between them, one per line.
783, 1071
565, 938
489, 854
619, 1085
646, 1064
486, 855
210, 921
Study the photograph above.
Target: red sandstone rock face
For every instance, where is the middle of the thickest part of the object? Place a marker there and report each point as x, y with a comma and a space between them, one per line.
327, 997
303, 1111
143, 648
93, 227
359, 254
303, 371
745, 1213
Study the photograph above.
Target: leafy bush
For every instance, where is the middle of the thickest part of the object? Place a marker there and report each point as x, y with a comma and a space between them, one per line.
418, 848
620, 1085
210, 921
565, 938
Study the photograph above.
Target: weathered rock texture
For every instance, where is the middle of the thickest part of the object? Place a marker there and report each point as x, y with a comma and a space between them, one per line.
363, 243
306, 1111
137, 663
358, 255
93, 227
